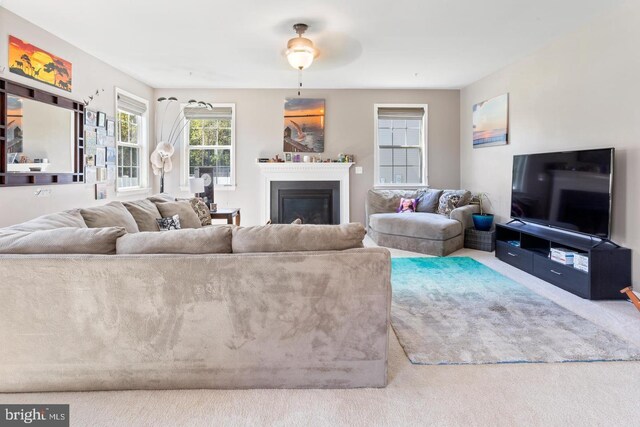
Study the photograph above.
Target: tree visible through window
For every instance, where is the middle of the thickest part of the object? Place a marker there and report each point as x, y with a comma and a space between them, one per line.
128, 149
210, 145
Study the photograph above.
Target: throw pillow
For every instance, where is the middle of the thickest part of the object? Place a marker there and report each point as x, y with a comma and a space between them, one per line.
428, 201
293, 238
113, 214
406, 205
169, 223
188, 218
66, 240
144, 212
161, 198
70, 218
207, 240
201, 209
452, 199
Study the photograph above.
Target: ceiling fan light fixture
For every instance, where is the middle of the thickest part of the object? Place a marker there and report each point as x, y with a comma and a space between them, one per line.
300, 50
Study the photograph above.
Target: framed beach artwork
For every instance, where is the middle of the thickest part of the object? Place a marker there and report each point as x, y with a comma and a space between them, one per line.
304, 125
491, 122
29, 61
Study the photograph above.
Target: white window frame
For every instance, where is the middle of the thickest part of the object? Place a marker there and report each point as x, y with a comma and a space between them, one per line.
424, 137
143, 144
232, 154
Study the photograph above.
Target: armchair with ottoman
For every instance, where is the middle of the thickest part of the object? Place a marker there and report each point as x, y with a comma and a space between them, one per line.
435, 228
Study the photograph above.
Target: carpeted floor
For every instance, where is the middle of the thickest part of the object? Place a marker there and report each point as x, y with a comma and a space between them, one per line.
560, 394
456, 310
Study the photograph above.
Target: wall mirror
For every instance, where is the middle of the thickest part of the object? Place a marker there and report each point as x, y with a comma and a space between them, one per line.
40, 137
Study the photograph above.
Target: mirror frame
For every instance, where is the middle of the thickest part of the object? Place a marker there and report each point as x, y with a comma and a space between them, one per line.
12, 179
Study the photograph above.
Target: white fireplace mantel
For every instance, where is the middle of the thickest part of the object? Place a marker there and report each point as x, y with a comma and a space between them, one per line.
305, 172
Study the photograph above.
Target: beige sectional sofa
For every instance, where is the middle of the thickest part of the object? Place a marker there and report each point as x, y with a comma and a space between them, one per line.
426, 231
281, 306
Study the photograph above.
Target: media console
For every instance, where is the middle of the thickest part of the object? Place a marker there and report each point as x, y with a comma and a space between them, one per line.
609, 265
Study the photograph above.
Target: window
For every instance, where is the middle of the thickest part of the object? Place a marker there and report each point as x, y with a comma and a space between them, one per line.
131, 141
400, 138
210, 144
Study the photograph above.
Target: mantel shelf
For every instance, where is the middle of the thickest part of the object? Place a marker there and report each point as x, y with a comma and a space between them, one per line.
302, 167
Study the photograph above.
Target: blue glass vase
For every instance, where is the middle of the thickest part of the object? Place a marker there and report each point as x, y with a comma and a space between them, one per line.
482, 222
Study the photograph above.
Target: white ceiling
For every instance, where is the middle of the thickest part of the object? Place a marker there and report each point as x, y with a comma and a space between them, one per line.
362, 43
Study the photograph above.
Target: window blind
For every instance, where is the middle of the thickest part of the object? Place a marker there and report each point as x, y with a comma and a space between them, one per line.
400, 113
191, 113
131, 105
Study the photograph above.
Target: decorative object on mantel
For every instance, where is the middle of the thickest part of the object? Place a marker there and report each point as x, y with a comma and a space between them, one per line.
300, 52
491, 122
304, 125
161, 157
29, 61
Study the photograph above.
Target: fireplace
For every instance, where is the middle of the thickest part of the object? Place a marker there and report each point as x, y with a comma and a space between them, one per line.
313, 202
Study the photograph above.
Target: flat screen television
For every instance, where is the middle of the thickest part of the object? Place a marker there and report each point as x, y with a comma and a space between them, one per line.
571, 190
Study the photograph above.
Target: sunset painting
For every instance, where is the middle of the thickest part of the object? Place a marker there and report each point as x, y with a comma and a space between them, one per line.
304, 125
34, 63
491, 122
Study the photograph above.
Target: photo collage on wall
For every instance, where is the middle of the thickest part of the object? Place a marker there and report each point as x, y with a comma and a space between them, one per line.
100, 151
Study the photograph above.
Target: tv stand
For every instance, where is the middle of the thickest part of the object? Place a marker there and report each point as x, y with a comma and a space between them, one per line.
527, 247
516, 220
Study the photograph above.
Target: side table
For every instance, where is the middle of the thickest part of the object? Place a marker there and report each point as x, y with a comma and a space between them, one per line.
227, 213
481, 240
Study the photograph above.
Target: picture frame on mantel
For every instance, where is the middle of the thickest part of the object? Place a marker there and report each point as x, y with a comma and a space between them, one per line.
491, 122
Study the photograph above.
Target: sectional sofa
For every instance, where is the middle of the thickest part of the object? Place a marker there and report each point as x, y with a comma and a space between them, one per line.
87, 307
436, 228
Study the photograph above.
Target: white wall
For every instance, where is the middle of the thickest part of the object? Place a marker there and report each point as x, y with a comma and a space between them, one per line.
348, 129
582, 91
89, 74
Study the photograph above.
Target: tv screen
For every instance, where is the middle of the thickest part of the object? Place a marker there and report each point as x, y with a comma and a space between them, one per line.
569, 190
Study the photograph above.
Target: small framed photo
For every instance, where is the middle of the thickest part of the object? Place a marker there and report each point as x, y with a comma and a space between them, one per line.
102, 119
111, 156
101, 157
111, 128
288, 157
101, 191
101, 174
90, 118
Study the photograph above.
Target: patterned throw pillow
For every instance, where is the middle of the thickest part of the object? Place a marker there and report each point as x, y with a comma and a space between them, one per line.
406, 205
428, 201
169, 223
201, 210
452, 199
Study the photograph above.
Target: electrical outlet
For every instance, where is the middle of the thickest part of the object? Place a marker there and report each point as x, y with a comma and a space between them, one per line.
358, 170
42, 193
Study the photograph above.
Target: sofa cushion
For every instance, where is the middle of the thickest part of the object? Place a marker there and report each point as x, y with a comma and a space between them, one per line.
188, 217
113, 214
206, 240
161, 198
66, 240
428, 201
387, 200
70, 218
145, 213
293, 237
451, 199
421, 225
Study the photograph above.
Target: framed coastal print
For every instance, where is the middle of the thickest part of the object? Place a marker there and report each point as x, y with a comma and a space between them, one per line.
304, 125
491, 122
111, 128
102, 119
90, 118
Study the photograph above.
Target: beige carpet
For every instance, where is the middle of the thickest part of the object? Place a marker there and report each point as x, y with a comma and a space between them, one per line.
586, 394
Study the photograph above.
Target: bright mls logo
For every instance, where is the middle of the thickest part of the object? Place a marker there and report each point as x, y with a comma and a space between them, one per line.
34, 415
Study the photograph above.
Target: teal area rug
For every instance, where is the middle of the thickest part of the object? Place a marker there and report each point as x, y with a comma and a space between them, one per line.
456, 310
